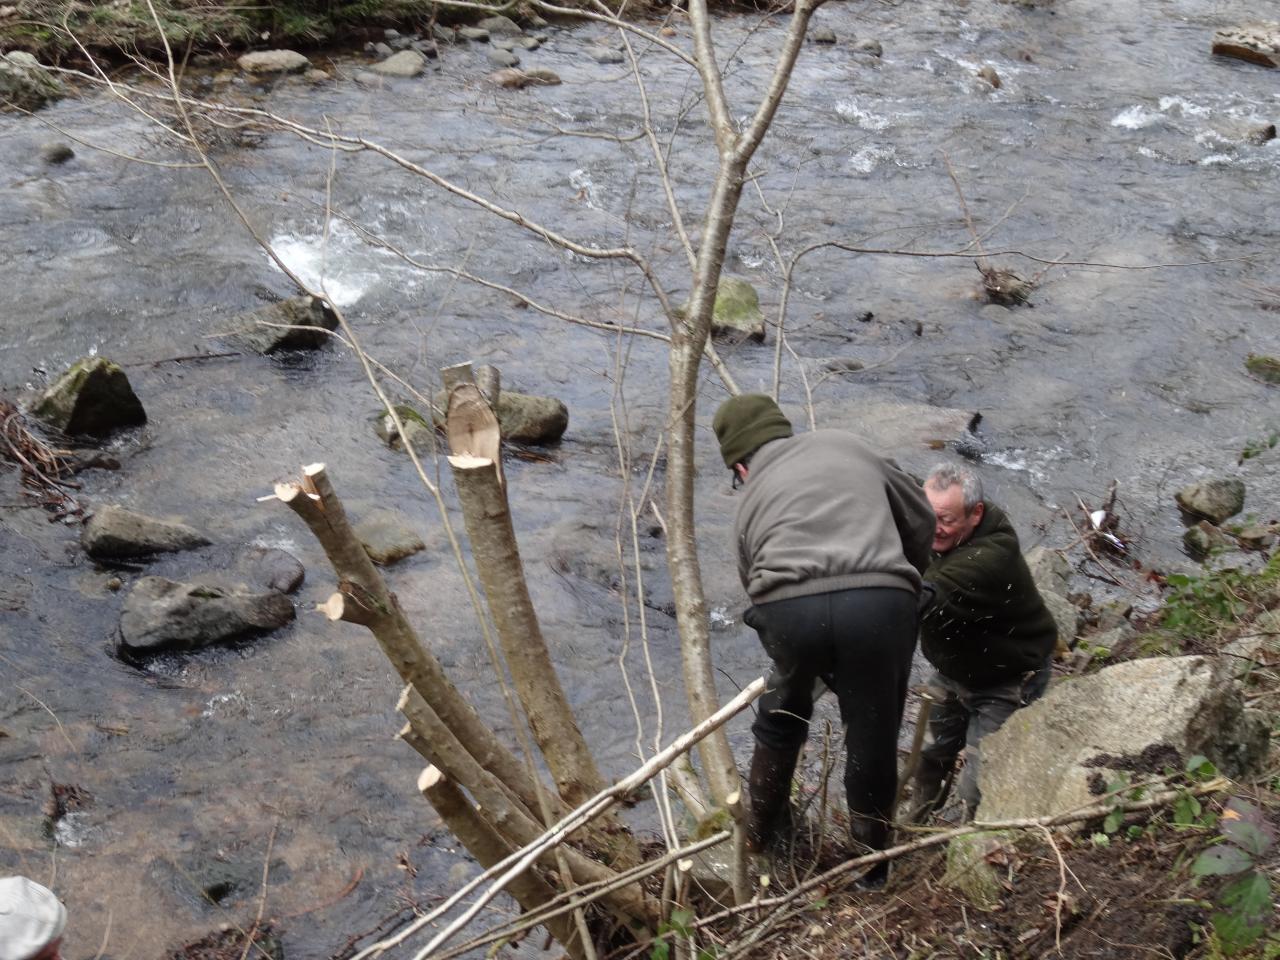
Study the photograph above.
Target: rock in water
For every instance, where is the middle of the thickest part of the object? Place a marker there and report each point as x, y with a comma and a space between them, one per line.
736, 314
1202, 539
162, 614
1256, 42
56, 153
1216, 500
262, 62
605, 55
1059, 753
94, 397
1263, 367
116, 533
265, 330
387, 536
823, 35
473, 33
522, 417
871, 47
270, 568
500, 26
25, 83
503, 58
988, 73
406, 63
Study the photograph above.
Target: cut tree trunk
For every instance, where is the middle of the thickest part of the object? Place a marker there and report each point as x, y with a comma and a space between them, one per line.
474, 448
488, 847
365, 600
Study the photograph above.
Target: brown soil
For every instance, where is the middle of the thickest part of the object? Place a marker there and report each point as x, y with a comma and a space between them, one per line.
1120, 899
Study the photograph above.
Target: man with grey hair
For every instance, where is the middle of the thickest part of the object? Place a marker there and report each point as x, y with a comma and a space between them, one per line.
31, 921
987, 633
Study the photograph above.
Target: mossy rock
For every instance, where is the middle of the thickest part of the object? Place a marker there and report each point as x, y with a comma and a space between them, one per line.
1263, 367
976, 863
94, 398
737, 315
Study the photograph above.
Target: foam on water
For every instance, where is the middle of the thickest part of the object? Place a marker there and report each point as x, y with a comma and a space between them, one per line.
318, 267
1134, 118
849, 110
870, 157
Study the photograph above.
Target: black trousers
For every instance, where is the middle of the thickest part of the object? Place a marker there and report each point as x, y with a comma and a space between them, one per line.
860, 644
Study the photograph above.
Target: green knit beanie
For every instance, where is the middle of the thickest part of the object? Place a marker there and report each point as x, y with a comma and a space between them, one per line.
744, 424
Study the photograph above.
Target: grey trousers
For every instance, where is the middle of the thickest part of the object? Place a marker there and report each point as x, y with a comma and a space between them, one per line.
963, 718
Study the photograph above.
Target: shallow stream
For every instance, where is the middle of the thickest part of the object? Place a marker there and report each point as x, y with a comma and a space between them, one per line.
1114, 138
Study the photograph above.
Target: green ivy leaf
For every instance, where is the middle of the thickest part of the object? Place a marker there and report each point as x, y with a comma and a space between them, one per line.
1221, 861
1201, 768
1186, 809
1113, 821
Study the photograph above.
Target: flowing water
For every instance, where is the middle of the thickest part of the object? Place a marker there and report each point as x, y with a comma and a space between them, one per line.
1111, 140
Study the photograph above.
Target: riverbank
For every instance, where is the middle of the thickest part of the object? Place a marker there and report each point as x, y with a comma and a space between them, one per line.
54, 31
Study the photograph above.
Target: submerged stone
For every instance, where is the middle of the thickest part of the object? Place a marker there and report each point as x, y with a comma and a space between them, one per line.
1263, 367
94, 397
387, 537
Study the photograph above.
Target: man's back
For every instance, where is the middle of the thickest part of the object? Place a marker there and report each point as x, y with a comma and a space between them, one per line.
822, 512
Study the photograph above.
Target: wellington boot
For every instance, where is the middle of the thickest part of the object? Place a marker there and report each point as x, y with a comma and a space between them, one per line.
769, 786
868, 835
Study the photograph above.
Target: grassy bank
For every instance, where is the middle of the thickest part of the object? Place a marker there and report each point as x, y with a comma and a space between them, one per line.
49, 28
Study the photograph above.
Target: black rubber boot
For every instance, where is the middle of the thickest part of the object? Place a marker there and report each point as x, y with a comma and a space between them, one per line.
868, 835
769, 786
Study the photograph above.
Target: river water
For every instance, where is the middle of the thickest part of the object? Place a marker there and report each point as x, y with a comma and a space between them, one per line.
1111, 140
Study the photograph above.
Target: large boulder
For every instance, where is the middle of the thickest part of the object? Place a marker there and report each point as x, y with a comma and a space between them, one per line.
276, 326
116, 533
25, 83
1050, 569
262, 62
1059, 753
94, 397
162, 614
736, 314
1255, 42
1065, 616
1215, 500
406, 63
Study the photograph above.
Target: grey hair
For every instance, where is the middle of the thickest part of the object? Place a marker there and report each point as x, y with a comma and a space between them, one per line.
947, 475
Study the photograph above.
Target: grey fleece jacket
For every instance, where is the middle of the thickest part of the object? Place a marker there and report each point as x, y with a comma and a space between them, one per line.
821, 512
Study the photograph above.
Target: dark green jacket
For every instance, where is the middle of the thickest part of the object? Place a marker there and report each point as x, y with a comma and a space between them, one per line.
987, 625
